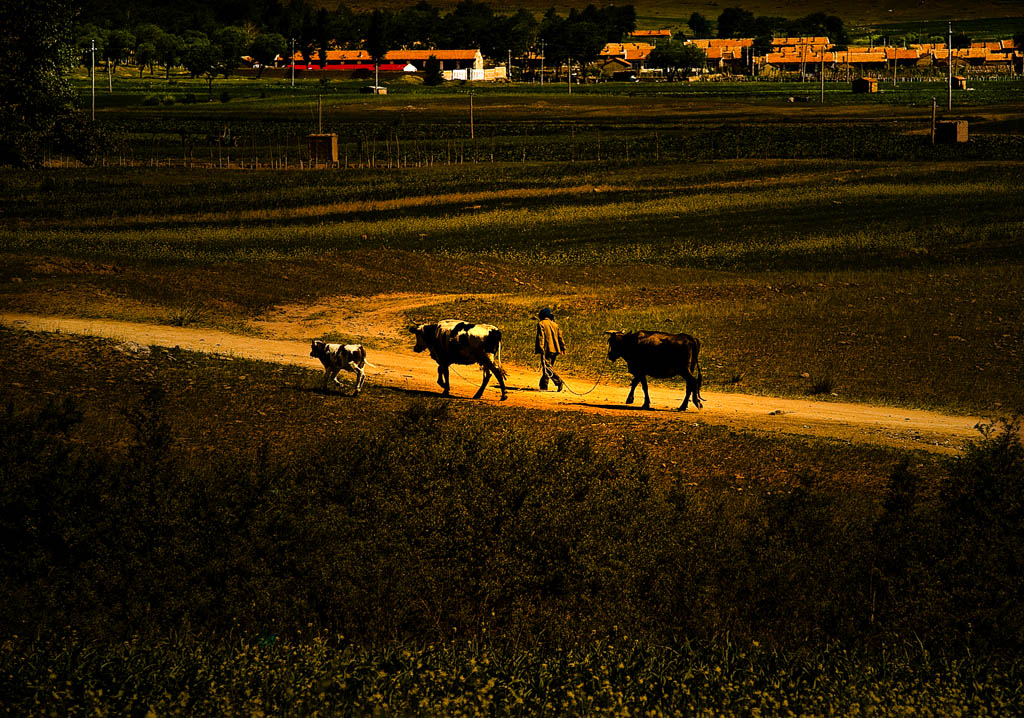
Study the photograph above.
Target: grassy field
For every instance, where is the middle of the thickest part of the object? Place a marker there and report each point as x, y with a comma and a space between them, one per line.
185, 534
783, 268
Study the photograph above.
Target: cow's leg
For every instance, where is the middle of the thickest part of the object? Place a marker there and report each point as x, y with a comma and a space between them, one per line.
329, 375
360, 378
692, 389
647, 397
686, 399
444, 379
499, 374
337, 380
487, 378
632, 389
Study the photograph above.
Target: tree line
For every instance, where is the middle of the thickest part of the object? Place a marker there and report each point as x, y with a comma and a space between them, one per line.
209, 40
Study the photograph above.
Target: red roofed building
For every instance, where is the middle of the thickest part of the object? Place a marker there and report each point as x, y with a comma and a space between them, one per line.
653, 36
394, 60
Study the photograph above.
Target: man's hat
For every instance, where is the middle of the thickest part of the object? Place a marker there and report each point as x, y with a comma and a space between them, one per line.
545, 313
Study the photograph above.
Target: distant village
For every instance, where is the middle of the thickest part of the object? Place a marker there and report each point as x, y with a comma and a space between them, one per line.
638, 60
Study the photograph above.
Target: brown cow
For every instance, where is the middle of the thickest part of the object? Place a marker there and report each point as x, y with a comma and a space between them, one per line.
658, 355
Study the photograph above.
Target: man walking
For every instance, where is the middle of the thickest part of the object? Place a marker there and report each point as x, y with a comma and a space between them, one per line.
549, 345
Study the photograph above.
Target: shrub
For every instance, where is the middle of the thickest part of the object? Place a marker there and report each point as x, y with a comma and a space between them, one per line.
437, 525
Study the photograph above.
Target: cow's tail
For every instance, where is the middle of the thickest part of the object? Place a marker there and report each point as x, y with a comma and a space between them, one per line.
700, 381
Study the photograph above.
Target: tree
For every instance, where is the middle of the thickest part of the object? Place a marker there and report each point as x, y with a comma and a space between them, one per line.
819, 24
85, 36
37, 102
120, 44
520, 33
735, 22
147, 32
231, 43
432, 74
675, 56
378, 38
700, 25
201, 58
770, 26
265, 48
145, 55
418, 26
961, 40
169, 48
472, 25
378, 35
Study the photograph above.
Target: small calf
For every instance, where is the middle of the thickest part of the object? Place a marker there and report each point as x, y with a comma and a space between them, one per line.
336, 357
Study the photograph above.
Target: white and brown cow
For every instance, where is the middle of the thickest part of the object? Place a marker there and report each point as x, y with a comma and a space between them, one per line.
338, 357
452, 341
659, 355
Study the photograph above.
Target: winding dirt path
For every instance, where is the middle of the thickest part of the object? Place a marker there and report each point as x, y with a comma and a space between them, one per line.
287, 330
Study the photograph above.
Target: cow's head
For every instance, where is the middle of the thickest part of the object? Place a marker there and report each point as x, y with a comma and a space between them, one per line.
422, 334
614, 344
318, 350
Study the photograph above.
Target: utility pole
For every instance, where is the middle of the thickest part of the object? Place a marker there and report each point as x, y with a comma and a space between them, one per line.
293, 63
472, 136
822, 74
935, 103
951, 66
569, 66
92, 72
542, 63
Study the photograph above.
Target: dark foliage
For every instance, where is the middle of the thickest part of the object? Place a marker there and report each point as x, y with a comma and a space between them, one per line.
433, 527
36, 101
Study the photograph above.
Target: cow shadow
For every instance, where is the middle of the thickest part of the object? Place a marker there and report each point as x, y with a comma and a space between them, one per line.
303, 389
623, 407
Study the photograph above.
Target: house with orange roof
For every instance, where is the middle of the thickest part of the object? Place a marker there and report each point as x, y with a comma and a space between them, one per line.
449, 59
393, 61
622, 56
651, 36
779, 42
722, 43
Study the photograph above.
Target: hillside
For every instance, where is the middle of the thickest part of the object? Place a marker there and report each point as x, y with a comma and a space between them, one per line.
656, 13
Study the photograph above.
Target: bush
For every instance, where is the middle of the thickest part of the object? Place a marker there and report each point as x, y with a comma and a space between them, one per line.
433, 526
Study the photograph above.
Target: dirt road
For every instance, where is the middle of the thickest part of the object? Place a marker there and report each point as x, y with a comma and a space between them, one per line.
291, 327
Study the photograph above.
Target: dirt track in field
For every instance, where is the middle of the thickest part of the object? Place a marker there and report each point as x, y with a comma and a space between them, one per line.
284, 338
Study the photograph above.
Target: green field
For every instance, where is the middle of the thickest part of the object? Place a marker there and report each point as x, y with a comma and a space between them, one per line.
784, 268
187, 535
